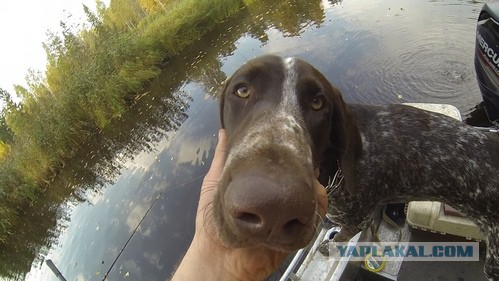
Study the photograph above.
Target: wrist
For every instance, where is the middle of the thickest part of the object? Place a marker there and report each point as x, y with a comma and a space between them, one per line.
204, 260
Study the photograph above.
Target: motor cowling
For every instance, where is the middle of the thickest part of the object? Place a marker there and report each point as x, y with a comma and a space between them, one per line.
487, 59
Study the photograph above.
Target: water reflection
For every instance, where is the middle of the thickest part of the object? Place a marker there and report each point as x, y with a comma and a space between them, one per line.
153, 158
118, 183
394, 51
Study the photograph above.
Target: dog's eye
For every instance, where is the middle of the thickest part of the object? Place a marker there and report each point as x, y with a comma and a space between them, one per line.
242, 92
317, 103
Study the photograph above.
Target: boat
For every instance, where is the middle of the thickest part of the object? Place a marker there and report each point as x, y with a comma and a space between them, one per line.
418, 221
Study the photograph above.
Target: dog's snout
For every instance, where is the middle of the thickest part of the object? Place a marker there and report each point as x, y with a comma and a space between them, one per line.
267, 209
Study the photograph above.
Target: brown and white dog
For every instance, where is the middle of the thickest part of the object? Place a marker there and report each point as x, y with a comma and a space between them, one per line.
284, 120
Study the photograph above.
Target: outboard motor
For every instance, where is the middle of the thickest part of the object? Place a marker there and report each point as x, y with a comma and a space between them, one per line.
487, 59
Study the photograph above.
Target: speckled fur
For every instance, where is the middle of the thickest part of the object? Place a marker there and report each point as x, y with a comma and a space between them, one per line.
412, 154
392, 153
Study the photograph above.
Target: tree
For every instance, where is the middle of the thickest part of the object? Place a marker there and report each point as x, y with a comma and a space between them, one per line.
153, 6
6, 134
125, 14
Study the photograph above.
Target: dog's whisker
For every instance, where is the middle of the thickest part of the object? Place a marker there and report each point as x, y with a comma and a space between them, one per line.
335, 183
372, 155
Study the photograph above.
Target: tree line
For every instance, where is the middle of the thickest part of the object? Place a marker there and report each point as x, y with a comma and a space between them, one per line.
93, 76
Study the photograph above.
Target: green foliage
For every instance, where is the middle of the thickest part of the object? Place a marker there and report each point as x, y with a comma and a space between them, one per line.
4, 150
93, 76
6, 134
185, 22
124, 14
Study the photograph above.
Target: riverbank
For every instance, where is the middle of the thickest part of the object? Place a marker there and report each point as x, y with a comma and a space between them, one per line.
92, 78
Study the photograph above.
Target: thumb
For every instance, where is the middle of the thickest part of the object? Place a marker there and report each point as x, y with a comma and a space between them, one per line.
218, 161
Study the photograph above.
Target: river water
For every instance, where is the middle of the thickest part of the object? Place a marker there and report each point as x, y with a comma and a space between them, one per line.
135, 190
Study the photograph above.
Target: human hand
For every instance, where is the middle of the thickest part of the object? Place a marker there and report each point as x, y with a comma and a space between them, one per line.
220, 262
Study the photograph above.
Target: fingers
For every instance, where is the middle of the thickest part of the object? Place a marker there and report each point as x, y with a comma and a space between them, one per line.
211, 179
322, 201
218, 162
321, 195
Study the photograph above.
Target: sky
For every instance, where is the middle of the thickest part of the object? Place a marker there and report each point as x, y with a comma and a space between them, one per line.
23, 28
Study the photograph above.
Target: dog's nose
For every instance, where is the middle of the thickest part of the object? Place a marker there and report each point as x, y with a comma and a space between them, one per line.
268, 208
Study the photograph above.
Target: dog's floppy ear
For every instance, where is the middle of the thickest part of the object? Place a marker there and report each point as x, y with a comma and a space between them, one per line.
222, 101
346, 143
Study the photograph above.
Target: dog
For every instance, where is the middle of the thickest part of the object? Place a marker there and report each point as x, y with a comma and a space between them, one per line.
284, 121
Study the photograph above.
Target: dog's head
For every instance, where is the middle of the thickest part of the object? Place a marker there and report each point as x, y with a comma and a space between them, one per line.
281, 116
